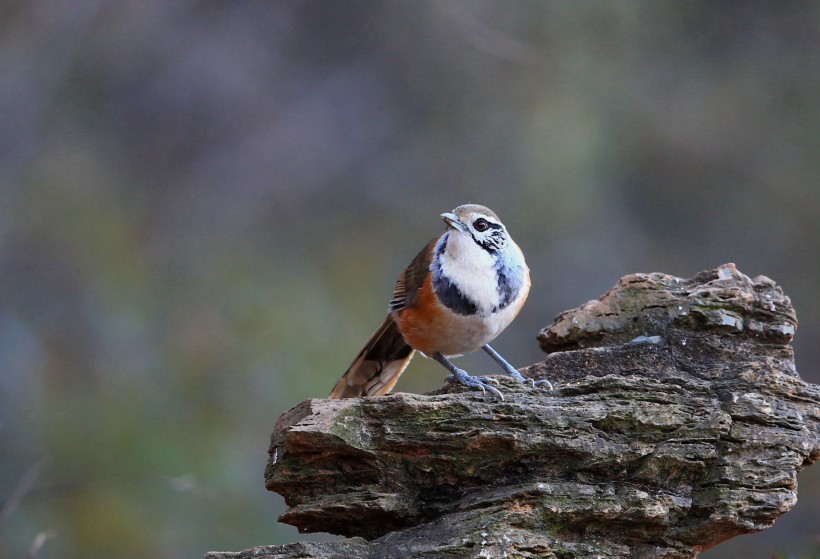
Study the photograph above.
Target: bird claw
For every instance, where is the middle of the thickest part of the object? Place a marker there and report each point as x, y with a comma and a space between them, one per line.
521, 378
474, 382
543, 382
510, 370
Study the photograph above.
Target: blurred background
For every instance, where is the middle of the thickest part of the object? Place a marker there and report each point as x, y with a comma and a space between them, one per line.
204, 206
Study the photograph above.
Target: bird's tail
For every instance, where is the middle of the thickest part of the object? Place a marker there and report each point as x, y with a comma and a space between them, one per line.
378, 366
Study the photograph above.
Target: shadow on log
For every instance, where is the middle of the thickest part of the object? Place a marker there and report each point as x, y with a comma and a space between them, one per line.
678, 421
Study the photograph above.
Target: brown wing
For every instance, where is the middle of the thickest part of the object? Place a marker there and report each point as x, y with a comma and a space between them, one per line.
385, 356
378, 366
411, 279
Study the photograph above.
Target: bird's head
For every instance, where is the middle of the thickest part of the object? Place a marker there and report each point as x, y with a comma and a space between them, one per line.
480, 223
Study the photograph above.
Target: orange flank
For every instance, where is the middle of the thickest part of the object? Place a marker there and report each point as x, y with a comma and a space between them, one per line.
425, 323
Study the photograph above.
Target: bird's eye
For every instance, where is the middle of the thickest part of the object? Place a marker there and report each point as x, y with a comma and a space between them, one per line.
481, 224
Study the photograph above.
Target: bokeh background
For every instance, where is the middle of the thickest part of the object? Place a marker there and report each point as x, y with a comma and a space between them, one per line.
204, 205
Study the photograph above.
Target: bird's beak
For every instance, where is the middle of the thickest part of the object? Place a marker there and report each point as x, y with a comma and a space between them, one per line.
452, 221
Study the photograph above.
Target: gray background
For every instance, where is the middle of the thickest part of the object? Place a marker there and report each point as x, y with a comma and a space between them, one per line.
204, 205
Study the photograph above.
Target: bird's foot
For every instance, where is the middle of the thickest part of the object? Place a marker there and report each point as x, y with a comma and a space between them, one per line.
521, 378
510, 370
474, 382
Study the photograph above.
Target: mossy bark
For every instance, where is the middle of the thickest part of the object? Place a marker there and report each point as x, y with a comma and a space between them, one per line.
678, 421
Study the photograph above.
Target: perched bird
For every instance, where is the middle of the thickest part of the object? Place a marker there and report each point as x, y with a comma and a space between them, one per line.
456, 296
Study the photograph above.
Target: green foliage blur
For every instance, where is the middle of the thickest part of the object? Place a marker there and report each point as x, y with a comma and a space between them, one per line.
204, 205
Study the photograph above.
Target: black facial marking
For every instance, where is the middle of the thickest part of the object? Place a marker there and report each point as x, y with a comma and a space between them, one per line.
447, 292
494, 240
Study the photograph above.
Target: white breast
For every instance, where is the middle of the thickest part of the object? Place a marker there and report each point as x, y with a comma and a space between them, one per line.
473, 270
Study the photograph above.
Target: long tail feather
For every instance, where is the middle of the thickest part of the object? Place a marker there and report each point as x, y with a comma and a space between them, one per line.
378, 366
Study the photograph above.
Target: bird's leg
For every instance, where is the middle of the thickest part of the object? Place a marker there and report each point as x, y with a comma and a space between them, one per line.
511, 370
464, 378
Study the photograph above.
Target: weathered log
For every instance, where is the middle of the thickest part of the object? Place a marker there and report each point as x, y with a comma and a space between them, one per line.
678, 421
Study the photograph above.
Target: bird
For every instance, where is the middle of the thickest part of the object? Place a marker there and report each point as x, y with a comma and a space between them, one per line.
460, 292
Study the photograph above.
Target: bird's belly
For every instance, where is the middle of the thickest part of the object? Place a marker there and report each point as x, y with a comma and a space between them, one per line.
448, 333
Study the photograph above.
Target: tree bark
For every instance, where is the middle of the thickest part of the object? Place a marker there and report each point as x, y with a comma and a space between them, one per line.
678, 421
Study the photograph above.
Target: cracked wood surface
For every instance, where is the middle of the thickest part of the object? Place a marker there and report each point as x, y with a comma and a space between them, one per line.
678, 421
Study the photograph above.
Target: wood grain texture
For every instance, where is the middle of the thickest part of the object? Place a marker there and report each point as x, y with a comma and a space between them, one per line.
659, 446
